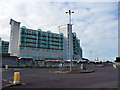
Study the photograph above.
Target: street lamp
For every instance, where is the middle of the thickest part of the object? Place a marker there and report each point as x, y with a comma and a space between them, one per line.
69, 12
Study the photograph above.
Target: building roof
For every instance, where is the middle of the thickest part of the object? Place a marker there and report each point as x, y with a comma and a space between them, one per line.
13, 20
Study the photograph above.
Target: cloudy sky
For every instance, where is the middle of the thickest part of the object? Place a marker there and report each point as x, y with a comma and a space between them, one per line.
96, 23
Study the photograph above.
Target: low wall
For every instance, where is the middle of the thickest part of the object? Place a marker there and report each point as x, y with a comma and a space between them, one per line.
10, 61
13, 61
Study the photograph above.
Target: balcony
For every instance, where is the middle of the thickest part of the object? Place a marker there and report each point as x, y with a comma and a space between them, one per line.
33, 33
43, 34
22, 35
43, 38
44, 42
22, 44
54, 47
32, 41
31, 45
43, 45
39, 45
56, 36
57, 40
31, 37
61, 44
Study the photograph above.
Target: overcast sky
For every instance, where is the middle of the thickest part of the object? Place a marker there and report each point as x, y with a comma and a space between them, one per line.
96, 23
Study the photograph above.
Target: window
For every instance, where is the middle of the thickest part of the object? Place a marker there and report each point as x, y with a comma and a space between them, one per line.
28, 55
47, 50
59, 56
44, 55
21, 48
39, 56
68, 55
37, 49
33, 49
53, 56
33, 55
15, 54
68, 51
42, 50
22, 55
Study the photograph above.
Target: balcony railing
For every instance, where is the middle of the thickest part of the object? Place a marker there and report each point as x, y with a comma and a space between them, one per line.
31, 45
31, 41
22, 35
31, 36
32, 33
54, 43
44, 38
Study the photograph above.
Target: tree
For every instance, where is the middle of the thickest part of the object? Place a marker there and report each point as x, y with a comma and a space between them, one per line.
117, 59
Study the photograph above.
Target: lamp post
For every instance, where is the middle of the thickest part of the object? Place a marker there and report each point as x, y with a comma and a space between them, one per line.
70, 12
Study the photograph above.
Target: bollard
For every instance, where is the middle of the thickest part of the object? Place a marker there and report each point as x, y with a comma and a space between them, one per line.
16, 78
6, 67
81, 66
114, 66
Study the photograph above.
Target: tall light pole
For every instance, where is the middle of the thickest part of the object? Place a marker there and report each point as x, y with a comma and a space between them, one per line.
70, 12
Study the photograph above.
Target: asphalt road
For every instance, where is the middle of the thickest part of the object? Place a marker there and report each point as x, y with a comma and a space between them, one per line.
103, 77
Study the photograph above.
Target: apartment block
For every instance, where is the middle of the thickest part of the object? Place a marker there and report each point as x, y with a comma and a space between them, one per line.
38, 44
77, 50
4, 46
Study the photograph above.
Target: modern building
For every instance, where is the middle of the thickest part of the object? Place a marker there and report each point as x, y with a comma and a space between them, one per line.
14, 35
77, 50
4, 46
0, 45
68, 41
29, 43
72, 49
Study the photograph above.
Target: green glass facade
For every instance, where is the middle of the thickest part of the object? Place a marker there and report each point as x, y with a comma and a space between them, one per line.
4, 46
77, 50
37, 40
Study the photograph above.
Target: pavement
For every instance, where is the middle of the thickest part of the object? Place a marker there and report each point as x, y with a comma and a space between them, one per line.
103, 77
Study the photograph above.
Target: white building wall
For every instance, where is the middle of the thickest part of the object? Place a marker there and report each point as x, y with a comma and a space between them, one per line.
63, 29
68, 44
0, 45
14, 36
